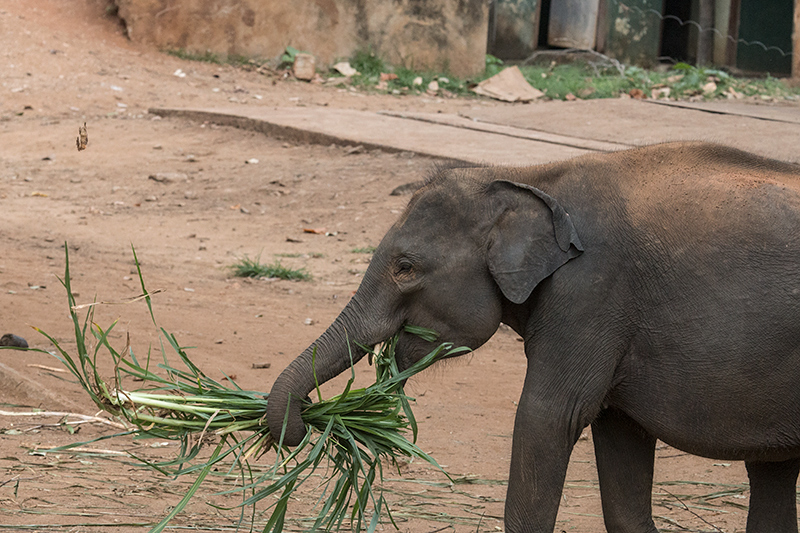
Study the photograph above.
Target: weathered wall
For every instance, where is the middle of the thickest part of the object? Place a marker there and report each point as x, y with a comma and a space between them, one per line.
442, 35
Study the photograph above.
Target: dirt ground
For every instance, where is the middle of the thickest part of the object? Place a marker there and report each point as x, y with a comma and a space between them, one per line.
63, 63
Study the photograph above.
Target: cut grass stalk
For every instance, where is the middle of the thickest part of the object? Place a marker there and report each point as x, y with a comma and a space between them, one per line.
350, 435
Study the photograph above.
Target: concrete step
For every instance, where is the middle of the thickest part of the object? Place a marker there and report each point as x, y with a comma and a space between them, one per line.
446, 138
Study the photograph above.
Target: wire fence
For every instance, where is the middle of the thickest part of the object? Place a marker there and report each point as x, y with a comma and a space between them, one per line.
631, 4
751, 37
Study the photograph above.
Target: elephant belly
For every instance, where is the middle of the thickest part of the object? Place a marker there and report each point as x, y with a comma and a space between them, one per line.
725, 405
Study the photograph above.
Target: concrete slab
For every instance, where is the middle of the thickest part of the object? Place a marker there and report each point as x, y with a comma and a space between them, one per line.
459, 121
777, 113
390, 133
525, 133
637, 122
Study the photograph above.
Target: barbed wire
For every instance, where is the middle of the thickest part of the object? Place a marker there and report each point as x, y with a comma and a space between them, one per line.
700, 29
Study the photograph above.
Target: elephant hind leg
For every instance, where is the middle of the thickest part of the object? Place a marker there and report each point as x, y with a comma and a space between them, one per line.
773, 496
625, 453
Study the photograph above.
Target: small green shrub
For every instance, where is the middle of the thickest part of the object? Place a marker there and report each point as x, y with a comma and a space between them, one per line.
254, 268
363, 250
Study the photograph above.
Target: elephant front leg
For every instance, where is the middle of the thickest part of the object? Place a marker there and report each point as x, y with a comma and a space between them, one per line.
773, 496
539, 459
624, 452
551, 415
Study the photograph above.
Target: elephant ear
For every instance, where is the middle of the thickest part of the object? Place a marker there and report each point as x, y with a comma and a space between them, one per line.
532, 237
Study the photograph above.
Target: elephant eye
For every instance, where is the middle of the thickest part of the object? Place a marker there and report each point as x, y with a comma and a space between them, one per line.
403, 267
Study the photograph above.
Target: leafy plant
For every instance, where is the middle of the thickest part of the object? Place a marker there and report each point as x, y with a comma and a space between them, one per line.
349, 438
375, 74
369, 65
288, 56
493, 65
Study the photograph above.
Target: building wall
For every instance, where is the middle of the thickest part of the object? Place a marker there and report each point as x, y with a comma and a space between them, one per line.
440, 35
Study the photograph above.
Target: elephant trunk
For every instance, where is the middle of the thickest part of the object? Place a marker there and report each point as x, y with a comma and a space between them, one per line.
334, 349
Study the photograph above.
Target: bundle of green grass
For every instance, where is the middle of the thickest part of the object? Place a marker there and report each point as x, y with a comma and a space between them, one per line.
350, 436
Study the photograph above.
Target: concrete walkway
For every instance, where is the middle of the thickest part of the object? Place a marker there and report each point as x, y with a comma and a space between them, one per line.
524, 134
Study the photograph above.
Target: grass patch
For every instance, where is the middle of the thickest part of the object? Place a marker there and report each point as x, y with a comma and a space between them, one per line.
254, 268
680, 82
580, 79
402, 80
350, 436
364, 250
216, 59
205, 57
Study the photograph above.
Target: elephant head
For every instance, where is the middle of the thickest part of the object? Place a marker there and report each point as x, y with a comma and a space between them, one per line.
466, 246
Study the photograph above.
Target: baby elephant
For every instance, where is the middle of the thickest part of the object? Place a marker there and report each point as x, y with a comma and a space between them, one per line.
658, 293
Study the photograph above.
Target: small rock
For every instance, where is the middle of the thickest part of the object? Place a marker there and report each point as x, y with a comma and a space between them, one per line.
179, 73
417, 81
660, 92
637, 94
252, 161
9, 339
709, 87
308, 321
83, 138
191, 158
167, 177
304, 67
433, 87
345, 69
355, 150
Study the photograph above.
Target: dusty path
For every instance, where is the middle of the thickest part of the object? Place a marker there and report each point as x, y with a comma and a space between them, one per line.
64, 64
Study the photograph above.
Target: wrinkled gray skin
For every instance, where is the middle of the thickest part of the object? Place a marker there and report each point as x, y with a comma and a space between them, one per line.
658, 293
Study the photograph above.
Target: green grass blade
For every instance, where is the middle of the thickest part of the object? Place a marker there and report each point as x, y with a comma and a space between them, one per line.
190, 493
141, 283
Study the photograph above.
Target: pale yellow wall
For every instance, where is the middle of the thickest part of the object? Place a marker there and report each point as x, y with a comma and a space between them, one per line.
422, 34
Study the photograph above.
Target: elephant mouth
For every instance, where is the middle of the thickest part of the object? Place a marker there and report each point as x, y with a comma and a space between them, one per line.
410, 349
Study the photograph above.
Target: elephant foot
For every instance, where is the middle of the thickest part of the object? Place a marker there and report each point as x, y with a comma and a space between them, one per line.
773, 496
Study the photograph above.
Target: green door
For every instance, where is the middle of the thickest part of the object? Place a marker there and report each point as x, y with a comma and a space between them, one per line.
765, 36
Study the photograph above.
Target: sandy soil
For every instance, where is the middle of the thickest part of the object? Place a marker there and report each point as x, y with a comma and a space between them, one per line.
63, 63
